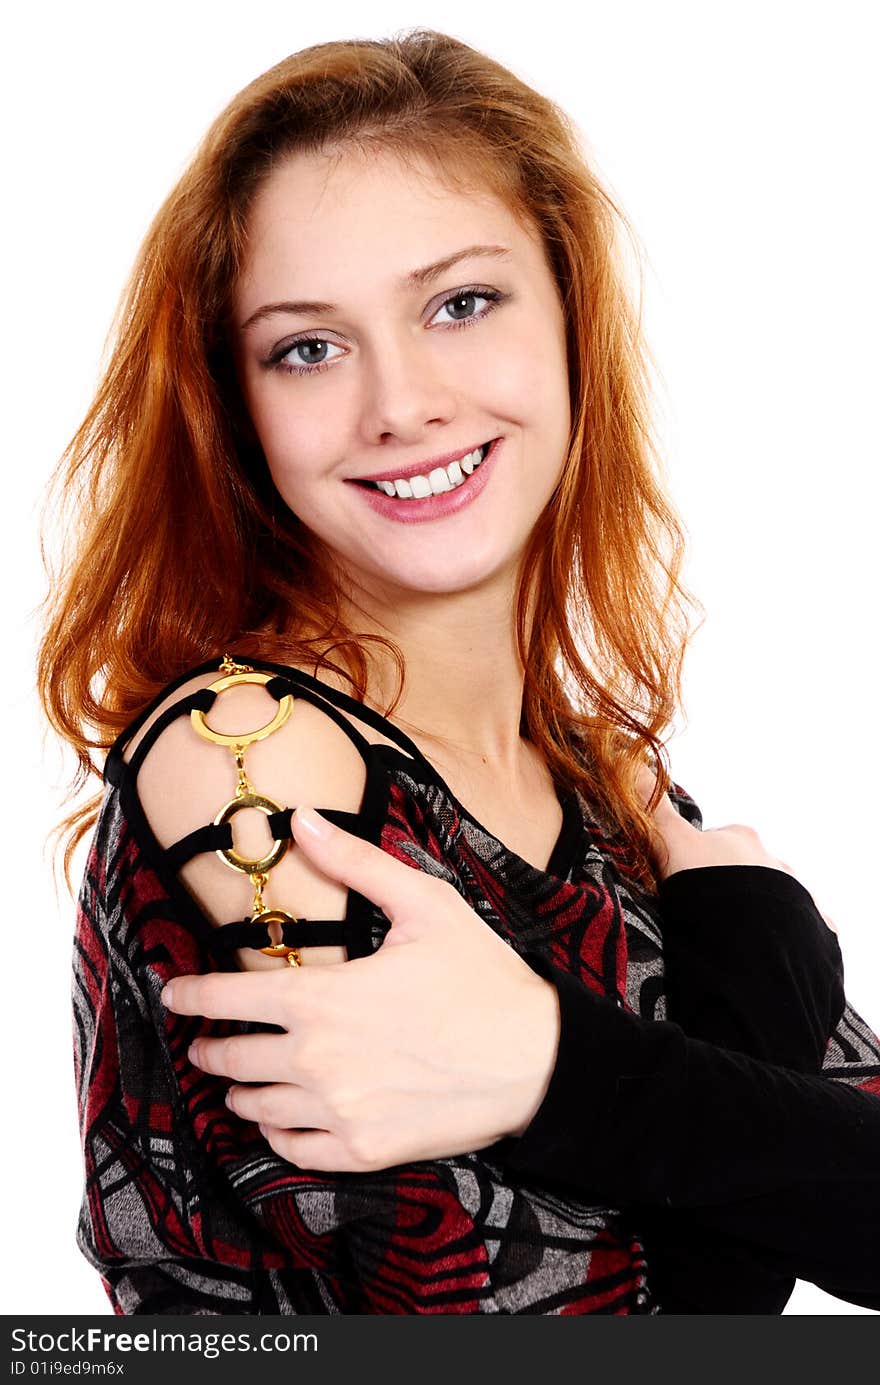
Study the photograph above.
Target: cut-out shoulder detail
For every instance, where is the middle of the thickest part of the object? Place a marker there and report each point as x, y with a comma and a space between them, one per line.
204, 680
525, 828
183, 781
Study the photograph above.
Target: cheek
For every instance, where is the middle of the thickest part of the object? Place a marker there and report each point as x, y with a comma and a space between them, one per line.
529, 379
290, 431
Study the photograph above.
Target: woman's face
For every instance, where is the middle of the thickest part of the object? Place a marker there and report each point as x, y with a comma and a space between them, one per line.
357, 360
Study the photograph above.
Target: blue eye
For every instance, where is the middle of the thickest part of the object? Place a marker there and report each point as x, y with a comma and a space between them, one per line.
279, 359
462, 299
465, 296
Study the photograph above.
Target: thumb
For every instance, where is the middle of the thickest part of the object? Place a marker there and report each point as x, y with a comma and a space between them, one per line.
350, 860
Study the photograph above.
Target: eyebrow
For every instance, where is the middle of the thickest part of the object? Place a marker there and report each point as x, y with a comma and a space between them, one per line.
416, 278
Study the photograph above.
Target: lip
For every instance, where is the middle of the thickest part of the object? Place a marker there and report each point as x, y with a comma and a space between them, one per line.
423, 468
435, 506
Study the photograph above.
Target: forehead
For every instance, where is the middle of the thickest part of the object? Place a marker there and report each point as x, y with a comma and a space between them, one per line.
349, 210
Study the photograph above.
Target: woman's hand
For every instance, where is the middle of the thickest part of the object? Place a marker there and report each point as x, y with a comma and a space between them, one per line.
441, 1042
677, 845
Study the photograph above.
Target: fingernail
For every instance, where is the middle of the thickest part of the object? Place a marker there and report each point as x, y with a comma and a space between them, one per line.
311, 821
228, 1098
166, 995
192, 1054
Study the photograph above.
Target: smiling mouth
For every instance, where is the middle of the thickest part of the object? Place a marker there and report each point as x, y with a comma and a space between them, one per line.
436, 482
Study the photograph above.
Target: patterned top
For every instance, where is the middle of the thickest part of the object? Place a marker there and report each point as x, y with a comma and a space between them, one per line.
188, 1210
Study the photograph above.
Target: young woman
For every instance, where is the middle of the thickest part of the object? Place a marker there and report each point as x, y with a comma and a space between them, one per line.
515, 1036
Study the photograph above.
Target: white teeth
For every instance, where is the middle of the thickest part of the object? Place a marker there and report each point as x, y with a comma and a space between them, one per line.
438, 481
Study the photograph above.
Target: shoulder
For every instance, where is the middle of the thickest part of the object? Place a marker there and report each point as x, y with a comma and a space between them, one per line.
186, 761
182, 781
307, 755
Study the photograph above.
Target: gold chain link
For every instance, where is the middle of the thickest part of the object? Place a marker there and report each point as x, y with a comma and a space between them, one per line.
230, 666
244, 786
247, 797
259, 880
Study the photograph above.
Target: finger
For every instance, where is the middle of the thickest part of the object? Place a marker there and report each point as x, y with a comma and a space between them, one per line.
665, 813
254, 995
280, 1104
392, 884
671, 833
311, 1149
244, 1057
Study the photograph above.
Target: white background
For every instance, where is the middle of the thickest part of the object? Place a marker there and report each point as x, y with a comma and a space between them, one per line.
741, 140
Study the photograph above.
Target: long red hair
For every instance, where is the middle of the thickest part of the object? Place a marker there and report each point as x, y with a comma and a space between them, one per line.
178, 546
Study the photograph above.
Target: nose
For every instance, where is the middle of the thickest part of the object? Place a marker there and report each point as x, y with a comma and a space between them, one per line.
405, 386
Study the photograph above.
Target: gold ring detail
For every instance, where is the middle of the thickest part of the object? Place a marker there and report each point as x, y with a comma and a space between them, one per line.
243, 738
250, 865
277, 949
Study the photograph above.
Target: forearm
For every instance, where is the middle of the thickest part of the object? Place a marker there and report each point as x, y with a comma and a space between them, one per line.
639, 1113
684, 1123
750, 965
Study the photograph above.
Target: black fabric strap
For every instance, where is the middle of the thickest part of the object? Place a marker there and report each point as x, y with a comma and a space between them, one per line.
301, 684
218, 836
356, 934
212, 837
279, 823
114, 766
202, 700
279, 687
300, 933
287, 680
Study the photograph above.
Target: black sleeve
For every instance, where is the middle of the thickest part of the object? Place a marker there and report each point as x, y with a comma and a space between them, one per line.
750, 965
641, 1113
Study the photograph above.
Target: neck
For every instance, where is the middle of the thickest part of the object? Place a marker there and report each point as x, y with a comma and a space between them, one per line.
464, 680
